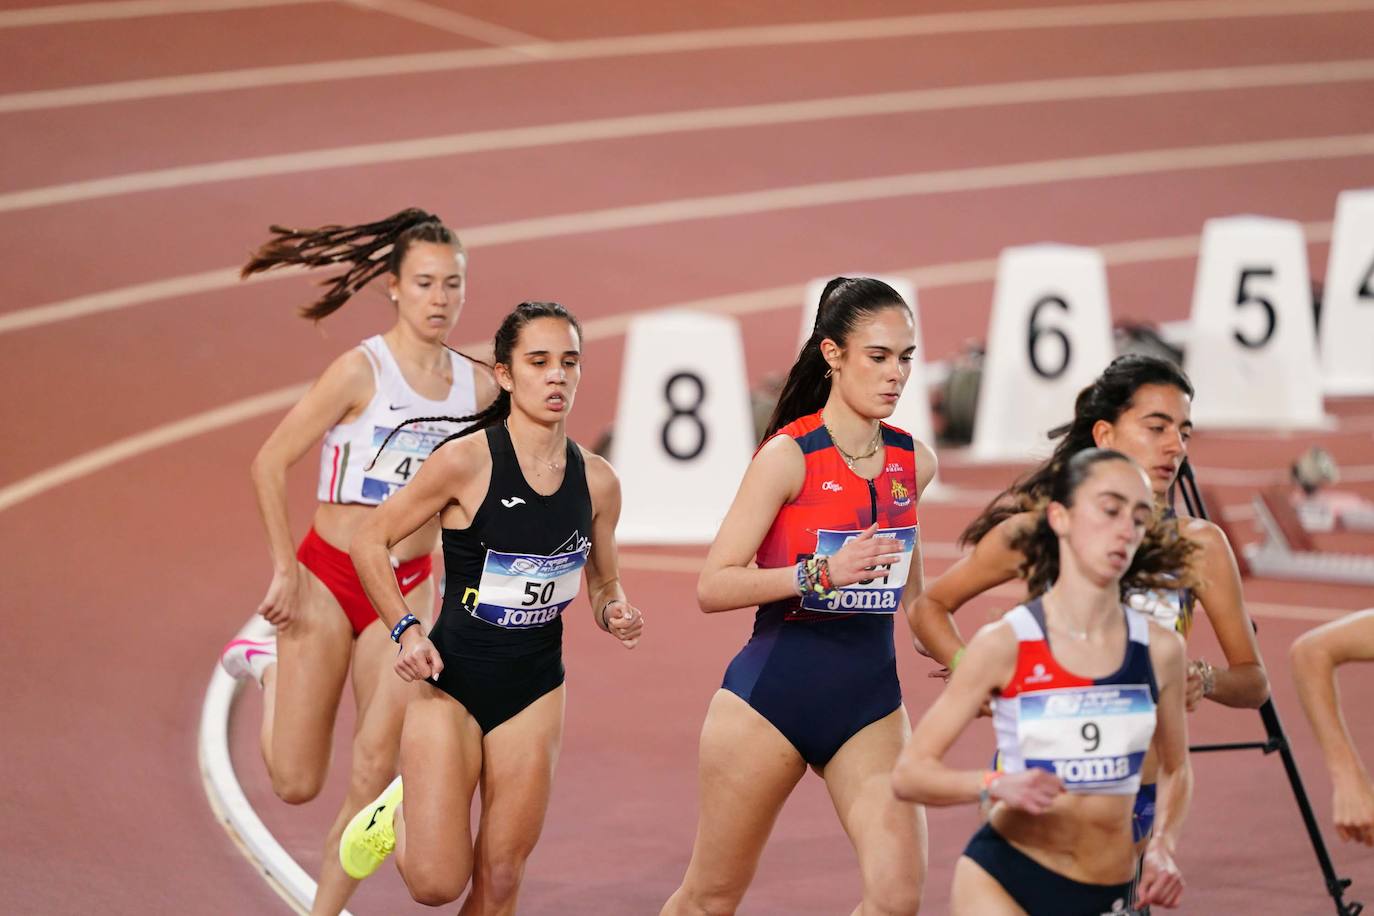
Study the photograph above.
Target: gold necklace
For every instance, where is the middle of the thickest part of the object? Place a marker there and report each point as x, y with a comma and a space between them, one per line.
552, 465
848, 458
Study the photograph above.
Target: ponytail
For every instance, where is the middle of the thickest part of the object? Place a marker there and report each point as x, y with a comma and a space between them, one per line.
844, 304
369, 250
1106, 399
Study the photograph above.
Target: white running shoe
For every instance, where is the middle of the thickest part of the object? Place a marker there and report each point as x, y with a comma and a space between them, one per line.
243, 658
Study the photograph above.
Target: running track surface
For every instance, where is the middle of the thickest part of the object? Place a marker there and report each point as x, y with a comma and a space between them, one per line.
122, 583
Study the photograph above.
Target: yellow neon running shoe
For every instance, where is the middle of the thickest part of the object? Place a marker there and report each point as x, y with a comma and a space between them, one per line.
370, 836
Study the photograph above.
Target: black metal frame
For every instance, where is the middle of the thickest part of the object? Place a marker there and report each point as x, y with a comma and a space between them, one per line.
1277, 740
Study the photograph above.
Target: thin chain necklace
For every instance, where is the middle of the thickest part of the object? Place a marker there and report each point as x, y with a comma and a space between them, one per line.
552, 465
848, 458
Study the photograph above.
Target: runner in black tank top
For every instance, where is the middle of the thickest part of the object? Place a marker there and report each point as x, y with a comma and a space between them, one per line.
509, 575
527, 514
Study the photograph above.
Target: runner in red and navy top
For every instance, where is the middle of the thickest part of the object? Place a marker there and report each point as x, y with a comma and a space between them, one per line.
1081, 684
828, 511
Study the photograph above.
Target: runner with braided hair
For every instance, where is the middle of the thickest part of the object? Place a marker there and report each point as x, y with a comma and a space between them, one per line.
324, 623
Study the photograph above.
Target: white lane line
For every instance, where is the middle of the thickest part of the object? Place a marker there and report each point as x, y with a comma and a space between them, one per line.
136, 294
781, 297
454, 23
127, 9
155, 438
913, 184
720, 118
670, 42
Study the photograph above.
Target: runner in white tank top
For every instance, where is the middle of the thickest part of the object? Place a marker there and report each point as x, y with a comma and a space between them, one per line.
351, 470
324, 622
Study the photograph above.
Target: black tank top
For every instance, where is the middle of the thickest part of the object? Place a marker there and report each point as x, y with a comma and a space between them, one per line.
512, 572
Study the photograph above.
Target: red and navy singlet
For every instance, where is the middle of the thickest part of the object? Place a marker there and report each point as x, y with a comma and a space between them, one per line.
820, 669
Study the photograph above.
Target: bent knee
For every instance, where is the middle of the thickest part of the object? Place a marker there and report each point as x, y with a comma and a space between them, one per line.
894, 895
434, 890
502, 877
297, 788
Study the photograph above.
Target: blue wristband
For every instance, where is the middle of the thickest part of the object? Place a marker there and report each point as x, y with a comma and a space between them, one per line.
402, 625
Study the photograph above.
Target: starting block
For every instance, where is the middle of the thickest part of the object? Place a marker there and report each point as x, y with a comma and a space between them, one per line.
1049, 336
1347, 322
1252, 349
1288, 552
683, 435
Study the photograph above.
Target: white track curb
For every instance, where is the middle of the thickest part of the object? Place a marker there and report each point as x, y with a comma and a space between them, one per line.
226, 797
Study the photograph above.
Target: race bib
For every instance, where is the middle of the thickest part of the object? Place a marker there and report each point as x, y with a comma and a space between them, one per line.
1165, 606
402, 458
520, 590
879, 595
1093, 738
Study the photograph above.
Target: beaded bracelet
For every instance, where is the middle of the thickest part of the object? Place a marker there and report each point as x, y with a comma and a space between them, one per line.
823, 574
402, 625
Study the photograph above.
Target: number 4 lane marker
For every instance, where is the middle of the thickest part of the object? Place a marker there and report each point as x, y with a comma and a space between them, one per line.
683, 432
1050, 335
1347, 320
1252, 352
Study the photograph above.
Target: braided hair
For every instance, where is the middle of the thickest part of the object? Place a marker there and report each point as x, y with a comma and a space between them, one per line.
369, 250
845, 303
1163, 559
1107, 398
506, 337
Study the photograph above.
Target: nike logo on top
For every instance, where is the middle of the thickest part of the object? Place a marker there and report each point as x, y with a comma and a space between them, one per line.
410, 578
512, 502
399, 406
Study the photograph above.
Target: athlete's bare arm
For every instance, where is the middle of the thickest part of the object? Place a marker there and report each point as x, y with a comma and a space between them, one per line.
341, 392
921, 774
991, 563
1161, 881
1243, 683
453, 481
728, 580
612, 611
1316, 655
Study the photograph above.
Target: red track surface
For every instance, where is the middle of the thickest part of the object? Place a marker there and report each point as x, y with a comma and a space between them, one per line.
120, 586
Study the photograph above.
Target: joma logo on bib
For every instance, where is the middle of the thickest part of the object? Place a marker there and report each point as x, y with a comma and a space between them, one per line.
861, 600
517, 618
1093, 769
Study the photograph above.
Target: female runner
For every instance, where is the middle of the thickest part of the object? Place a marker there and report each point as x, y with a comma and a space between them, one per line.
1080, 684
1141, 406
828, 506
525, 512
322, 617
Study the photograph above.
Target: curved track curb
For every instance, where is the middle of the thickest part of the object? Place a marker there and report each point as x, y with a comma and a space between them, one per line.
227, 801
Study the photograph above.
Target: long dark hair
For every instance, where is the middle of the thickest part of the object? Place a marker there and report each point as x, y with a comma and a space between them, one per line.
1107, 398
1163, 559
506, 337
844, 303
370, 250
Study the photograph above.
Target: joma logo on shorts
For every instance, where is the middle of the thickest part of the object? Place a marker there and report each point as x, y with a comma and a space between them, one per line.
867, 599
1101, 769
517, 618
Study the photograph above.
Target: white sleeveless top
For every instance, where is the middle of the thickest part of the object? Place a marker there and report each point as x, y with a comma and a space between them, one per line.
345, 475
1091, 732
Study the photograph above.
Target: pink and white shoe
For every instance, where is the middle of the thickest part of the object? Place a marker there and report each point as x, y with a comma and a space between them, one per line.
244, 658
